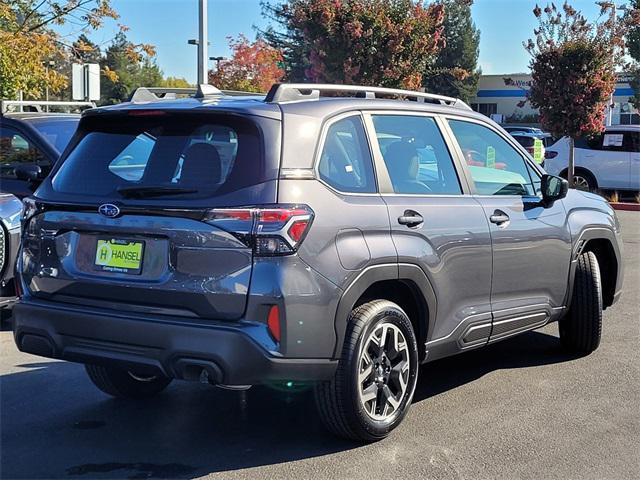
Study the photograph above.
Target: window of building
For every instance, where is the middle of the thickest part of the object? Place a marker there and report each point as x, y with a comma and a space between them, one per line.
487, 109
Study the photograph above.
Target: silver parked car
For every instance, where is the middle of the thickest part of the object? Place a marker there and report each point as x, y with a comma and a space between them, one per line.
325, 234
10, 213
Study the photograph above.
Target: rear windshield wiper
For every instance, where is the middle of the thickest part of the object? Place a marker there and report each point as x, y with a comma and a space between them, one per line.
152, 191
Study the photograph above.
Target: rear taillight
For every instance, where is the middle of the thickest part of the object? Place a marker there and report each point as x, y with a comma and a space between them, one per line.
276, 230
550, 154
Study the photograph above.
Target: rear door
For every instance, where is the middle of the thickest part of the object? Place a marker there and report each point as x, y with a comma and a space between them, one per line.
531, 241
605, 156
132, 217
632, 145
435, 224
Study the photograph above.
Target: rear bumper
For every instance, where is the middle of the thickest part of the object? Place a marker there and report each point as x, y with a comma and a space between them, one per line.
228, 354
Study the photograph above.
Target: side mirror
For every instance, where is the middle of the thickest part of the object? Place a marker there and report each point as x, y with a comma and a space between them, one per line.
29, 172
553, 188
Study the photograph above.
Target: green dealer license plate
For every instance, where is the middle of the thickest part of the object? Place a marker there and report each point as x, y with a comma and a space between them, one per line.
119, 256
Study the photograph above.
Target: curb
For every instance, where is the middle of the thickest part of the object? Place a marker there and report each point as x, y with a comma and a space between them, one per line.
631, 207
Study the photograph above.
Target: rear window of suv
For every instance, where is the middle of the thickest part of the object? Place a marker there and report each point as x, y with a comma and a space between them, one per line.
177, 154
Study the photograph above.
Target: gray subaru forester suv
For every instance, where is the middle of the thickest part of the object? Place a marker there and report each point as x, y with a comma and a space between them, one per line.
336, 235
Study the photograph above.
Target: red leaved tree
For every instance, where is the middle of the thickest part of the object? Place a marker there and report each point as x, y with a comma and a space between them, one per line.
253, 67
573, 70
371, 42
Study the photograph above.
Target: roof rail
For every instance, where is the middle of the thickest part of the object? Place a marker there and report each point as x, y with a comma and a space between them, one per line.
151, 94
295, 92
6, 105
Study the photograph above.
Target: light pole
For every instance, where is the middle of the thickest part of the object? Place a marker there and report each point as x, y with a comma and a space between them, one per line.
203, 43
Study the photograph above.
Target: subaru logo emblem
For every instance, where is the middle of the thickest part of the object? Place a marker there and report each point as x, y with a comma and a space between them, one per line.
109, 210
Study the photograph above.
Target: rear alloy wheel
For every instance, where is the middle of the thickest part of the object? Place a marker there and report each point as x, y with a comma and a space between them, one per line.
122, 383
372, 389
584, 181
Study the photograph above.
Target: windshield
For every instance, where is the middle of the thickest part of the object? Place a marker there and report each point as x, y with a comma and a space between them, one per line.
194, 155
57, 132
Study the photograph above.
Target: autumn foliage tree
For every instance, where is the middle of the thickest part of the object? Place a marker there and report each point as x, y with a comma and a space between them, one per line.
28, 40
573, 70
372, 42
253, 66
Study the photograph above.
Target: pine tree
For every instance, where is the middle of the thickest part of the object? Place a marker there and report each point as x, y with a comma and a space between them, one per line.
123, 73
84, 50
455, 70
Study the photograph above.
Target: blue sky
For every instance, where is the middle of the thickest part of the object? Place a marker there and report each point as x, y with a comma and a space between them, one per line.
168, 24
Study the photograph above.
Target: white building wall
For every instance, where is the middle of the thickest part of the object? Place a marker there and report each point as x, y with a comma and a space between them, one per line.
506, 94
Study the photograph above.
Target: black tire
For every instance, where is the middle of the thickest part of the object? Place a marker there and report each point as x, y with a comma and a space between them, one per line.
339, 402
121, 383
581, 328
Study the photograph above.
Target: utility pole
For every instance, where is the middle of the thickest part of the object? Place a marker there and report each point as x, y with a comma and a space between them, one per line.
203, 44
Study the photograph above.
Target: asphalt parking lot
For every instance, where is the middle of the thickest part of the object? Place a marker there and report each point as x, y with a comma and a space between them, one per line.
518, 409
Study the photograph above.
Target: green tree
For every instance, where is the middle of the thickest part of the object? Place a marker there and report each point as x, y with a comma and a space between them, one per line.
455, 69
123, 74
372, 42
175, 82
573, 69
84, 50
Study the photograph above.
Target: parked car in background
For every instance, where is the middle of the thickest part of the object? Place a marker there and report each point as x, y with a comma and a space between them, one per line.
609, 161
532, 143
521, 128
10, 213
335, 235
32, 141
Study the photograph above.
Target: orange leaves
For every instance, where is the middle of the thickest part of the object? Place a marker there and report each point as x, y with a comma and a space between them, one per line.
253, 67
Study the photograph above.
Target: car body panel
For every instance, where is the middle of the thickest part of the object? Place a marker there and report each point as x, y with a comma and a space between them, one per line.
479, 282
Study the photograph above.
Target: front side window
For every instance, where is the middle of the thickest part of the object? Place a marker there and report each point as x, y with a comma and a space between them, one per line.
495, 166
415, 155
345, 162
179, 155
16, 150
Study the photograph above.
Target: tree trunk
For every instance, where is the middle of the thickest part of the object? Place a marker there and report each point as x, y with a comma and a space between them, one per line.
570, 168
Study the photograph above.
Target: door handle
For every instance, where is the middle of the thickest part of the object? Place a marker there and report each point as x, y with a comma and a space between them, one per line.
499, 217
410, 219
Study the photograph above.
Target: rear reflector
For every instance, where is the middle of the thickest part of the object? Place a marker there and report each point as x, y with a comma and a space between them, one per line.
273, 322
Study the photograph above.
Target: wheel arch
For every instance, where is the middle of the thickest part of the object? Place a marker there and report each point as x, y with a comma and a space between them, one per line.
404, 284
563, 174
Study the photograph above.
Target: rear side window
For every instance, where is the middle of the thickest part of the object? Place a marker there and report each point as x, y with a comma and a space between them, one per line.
345, 162
198, 156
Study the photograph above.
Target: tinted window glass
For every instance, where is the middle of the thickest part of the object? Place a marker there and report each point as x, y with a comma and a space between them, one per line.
495, 166
415, 154
631, 142
15, 149
57, 132
346, 163
208, 158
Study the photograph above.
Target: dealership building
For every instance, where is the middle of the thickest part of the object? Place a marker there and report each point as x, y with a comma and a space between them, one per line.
506, 94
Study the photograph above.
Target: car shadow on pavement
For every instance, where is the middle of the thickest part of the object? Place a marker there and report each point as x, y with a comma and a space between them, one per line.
527, 350
54, 423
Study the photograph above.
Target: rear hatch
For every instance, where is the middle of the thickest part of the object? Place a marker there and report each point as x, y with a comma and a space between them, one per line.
127, 220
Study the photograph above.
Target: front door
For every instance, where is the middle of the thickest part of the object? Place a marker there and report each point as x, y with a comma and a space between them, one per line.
436, 225
531, 241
